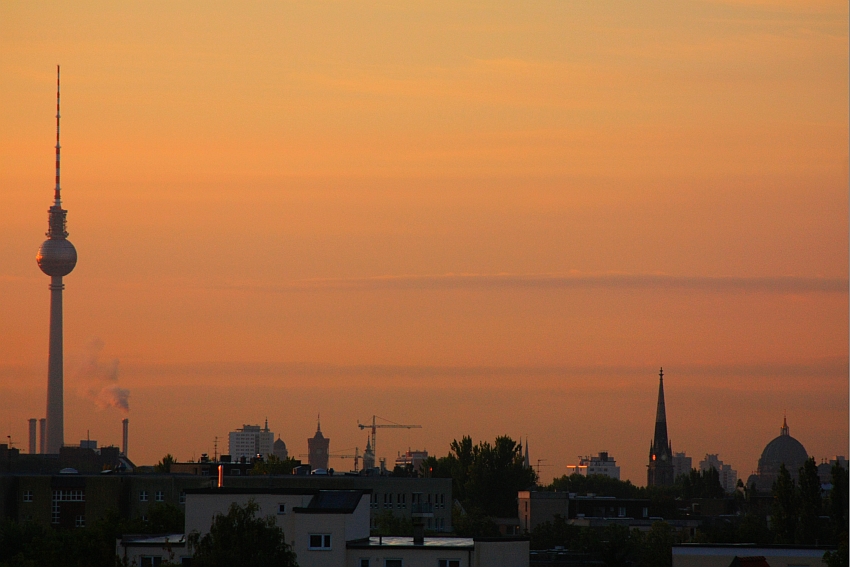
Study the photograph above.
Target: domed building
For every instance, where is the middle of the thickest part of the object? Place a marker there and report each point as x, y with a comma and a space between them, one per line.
279, 449
782, 450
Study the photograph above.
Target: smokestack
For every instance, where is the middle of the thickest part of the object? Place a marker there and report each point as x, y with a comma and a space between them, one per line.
33, 421
126, 423
42, 435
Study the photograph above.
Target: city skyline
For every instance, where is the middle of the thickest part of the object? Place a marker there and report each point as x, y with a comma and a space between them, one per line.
485, 222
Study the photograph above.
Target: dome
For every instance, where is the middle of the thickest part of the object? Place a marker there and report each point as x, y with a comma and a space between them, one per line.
279, 449
781, 450
56, 257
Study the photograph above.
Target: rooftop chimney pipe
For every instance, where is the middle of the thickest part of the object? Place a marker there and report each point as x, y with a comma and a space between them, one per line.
42, 435
33, 421
126, 423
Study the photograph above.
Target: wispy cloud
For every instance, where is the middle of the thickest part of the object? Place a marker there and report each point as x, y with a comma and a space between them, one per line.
572, 280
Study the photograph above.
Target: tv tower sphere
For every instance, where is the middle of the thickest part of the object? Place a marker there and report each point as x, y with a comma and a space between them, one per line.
56, 257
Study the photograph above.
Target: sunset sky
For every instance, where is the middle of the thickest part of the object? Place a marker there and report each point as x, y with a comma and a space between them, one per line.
485, 218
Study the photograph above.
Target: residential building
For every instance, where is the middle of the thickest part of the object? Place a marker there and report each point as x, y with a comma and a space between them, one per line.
682, 464
601, 464
726, 555
412, 458
728, 476
250, 441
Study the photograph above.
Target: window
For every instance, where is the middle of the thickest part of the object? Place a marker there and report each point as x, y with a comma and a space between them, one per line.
160, 496
182, 497
80, 522
320, 541
646, 512
143, 496
235, 472
151, 561
364, 563
392, 562
448, 562
374, 501
401, 501
622, 511
281, 508
27, 495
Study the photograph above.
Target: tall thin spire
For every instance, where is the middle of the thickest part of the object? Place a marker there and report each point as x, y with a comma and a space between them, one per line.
57, 198
661, 411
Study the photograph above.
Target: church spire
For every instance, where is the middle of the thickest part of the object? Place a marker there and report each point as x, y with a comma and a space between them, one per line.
660, 468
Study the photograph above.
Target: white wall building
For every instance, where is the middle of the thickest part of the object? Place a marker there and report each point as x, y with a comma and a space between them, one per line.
250, 441
326, 528
602, 464
728, 476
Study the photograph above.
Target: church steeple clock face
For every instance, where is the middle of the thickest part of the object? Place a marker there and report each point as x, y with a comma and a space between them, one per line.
663, 457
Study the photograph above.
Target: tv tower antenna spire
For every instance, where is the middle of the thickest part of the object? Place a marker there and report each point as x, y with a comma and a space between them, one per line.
56, 257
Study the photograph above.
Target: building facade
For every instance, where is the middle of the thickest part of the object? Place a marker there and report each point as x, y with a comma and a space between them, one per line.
728, 476
318, 448
682, 464
602, 464
250, 441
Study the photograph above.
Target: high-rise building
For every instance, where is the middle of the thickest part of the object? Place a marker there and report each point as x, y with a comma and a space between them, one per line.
602, 464
728, 476
250, 441
56, 257
660, 468
317, 449
682, 464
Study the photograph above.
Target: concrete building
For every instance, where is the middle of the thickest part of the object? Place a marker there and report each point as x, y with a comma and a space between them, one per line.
535, 508
412, 458
318, 447
56, 257
602, 464
728, 476
250, 441
660, 468
682, 464
327, 528
825, 469
726, 555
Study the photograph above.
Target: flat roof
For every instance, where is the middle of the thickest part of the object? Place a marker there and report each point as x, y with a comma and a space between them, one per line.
398, 542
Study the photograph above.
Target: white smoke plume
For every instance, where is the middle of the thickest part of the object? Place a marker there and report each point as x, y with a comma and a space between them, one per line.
98, 380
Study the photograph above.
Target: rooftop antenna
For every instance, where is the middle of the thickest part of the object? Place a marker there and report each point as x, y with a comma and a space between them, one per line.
57, 199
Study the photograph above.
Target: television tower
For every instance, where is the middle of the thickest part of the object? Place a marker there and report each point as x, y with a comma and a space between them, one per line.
56, 257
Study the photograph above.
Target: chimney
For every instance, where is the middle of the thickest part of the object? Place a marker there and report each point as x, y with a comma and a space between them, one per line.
126, 423
33, 421
42, 435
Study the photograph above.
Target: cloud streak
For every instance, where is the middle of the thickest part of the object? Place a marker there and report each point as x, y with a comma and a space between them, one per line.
572, 280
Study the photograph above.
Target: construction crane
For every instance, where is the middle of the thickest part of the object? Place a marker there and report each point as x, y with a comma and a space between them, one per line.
390, 424
356, 456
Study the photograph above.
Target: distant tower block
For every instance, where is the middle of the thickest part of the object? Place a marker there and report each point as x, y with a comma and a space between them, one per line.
317, 448
33, 423
126, 426
42, 435
56, 257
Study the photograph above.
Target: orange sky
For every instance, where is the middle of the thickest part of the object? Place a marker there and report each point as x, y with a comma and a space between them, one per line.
486, 219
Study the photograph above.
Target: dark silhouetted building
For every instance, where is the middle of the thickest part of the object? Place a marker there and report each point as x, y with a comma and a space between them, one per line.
317, 449
660, 469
